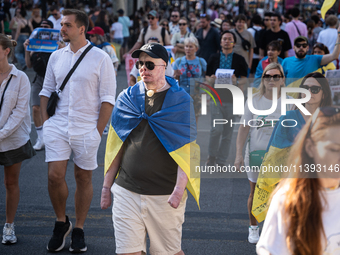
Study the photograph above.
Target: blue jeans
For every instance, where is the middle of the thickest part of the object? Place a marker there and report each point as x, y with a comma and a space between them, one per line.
221, 134
19, 51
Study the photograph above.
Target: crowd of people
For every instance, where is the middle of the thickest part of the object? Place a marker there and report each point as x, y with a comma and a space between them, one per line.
152, 125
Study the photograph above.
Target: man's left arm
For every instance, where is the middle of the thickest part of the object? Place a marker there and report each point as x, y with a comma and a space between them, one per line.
107, 92
104, 116
335, 54
251, 54
177, 194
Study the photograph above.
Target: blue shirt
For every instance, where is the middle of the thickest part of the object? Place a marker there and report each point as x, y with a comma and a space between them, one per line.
295, 68
189, 69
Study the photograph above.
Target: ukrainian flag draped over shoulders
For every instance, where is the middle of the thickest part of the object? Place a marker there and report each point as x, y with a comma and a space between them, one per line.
277, 153
174, 125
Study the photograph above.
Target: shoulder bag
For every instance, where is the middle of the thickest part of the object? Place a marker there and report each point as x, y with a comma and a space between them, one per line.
54, 98
245, 43
2, 97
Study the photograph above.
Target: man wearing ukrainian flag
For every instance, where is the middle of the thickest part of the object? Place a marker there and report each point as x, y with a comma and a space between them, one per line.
152, 147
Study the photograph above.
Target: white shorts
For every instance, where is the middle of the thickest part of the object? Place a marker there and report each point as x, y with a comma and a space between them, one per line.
134, 215
59, 145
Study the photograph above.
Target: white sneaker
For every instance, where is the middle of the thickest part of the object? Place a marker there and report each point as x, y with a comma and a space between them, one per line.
39, 145
254, 235
8, 236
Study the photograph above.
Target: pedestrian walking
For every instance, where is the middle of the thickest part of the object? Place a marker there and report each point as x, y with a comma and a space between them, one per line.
15, 128
84, 108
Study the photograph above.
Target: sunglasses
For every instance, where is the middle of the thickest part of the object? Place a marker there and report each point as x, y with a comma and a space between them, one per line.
276, 77
164, 25
327, 111
174, 16
203, 15
151, 17
314, 89
182, 24
92, 35
304, 45
148, 64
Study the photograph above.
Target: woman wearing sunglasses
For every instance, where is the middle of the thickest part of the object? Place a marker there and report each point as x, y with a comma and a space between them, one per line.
260, 129
303, 217
177, 39
321, 49
283, 137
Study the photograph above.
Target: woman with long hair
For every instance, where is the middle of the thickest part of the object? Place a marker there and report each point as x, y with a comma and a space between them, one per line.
303, 217
259, 132
15, 127
283, 137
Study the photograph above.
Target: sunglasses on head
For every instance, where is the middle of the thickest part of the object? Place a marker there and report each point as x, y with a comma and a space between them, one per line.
182, 24
327, 111
276, 77
304, 45
314, 89
151, 17
148, 64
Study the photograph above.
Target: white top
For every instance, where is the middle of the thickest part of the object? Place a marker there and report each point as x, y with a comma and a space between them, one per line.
15, 120
56, 22
118, 28
260, 136
273, 236
92, 83
328, 37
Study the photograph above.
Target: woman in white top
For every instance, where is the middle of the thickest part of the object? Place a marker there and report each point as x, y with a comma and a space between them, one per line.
303, 217
116, 31
259, 128
15, 127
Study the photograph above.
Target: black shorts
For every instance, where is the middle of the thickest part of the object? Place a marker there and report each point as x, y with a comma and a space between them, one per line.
8, 158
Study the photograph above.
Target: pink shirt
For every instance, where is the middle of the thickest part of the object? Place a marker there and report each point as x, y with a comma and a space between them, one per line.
293, 33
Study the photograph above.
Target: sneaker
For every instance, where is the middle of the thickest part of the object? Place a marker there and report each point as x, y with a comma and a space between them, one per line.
253, 236
78, 241
39, 145
60, 231
211, 161
8, 236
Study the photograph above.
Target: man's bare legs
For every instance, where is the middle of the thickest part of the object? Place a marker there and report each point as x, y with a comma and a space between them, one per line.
83, 195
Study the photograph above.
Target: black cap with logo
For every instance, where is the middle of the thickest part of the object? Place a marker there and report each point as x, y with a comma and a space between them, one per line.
154, 50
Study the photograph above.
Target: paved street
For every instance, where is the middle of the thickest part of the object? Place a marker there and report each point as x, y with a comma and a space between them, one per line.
219, 227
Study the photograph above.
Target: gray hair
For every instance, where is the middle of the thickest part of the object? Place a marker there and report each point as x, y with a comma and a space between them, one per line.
192, 40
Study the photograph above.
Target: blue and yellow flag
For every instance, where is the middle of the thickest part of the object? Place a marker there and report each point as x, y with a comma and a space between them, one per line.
278, 149
174, 125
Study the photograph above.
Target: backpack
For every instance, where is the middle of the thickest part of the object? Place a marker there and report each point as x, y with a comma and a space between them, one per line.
39, 62
162, 34
257, 41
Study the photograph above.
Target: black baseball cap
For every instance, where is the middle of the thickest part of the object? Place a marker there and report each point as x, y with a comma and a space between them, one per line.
154, 50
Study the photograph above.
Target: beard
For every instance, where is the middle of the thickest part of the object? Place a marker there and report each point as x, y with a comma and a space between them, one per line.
300, 54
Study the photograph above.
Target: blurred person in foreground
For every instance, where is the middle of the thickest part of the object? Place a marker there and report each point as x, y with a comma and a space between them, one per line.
303, 213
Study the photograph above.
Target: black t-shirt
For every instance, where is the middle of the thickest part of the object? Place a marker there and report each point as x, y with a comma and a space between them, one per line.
269, 36
208, 45
146, 167
240, 66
